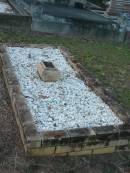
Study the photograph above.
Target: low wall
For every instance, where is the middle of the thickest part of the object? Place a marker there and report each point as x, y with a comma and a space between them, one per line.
75, 29
15, 23
18, 21
48, 23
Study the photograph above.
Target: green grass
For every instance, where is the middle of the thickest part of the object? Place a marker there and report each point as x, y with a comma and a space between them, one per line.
109, 62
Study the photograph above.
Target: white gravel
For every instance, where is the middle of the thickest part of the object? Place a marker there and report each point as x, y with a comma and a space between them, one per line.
5, 8
67, 103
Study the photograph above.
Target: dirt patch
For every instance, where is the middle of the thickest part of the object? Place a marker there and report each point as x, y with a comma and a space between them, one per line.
10, 143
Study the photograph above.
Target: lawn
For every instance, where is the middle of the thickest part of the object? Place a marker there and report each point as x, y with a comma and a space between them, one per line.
109, 62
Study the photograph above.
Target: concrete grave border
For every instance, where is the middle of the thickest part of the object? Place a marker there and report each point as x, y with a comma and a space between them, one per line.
19, 21
80, 141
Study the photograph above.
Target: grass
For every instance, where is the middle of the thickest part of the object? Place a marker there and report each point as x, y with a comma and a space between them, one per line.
109, 62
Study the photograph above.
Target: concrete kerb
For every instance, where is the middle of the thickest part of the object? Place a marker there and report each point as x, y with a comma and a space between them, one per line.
17, 99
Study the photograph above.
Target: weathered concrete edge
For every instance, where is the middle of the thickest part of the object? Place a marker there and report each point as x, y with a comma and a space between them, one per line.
20, 11
17, 99
72, 138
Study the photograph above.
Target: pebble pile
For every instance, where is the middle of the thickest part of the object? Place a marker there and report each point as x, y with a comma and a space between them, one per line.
5, 8
64, 104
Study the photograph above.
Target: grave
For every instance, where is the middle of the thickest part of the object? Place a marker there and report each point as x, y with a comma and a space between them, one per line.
68, 116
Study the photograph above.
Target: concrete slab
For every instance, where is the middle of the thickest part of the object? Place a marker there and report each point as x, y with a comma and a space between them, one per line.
5, 8
13, 18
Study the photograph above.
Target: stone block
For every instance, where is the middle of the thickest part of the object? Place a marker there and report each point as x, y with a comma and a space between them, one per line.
52, 138
48, 72
63, 149
41, 151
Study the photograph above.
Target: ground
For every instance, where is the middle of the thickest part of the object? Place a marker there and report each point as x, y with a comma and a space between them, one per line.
108, 62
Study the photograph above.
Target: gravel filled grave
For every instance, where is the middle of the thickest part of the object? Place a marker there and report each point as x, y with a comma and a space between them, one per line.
5, 8
65, 104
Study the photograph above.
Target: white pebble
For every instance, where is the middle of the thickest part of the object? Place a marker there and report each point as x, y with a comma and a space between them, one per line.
68, 103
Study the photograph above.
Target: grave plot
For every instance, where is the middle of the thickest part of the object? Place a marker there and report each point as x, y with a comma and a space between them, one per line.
58, 111
13, 18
